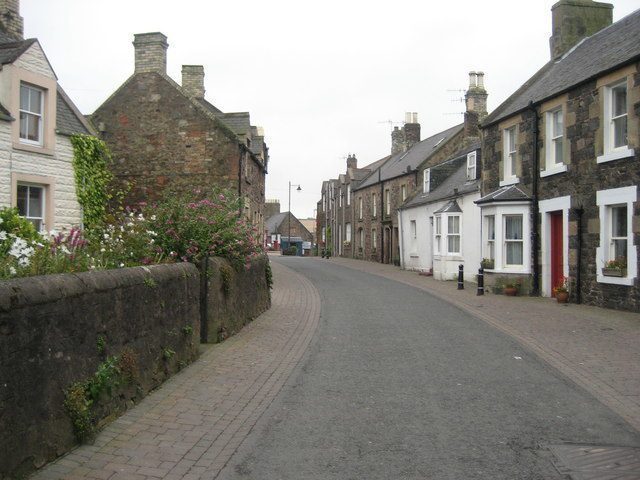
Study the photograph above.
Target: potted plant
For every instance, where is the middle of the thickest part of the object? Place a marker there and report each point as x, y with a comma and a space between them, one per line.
615, 268
487, 263
511, 288
346, 243
562, 291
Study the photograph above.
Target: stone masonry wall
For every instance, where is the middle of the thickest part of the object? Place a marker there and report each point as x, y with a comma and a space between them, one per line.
159, 140
234, 297
583, 178
56, 330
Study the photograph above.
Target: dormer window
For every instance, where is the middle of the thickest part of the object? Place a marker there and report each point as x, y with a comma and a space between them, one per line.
31, 112
426, 180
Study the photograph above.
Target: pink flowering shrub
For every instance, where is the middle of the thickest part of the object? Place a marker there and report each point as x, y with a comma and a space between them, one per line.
191, 226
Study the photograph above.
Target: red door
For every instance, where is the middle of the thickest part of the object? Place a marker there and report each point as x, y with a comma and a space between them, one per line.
557, 271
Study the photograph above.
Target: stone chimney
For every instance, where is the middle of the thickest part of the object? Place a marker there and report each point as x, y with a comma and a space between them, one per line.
476, 106
397, 141
11, 20
352, 161
573, 20
411, 130
150, 52
193, 80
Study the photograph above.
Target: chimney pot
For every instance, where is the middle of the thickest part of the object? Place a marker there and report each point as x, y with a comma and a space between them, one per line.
150, 52
473, 80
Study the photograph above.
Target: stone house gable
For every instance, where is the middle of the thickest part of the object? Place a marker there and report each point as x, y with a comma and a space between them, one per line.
167, 137
569, 140
36, 171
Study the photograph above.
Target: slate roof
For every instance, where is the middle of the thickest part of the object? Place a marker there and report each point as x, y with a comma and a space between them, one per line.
446, 189
450, 206
446, 177
69, 120
606, 50
11, 50
509, 193
273, 222
400, 163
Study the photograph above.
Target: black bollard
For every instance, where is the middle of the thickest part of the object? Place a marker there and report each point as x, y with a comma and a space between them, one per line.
460, 277
480, 281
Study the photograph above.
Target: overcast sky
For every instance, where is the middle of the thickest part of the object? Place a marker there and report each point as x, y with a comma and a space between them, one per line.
322, 78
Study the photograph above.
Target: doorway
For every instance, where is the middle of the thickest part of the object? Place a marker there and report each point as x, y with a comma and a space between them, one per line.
557, 249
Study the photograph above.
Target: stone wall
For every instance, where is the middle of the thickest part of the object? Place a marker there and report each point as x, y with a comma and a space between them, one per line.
57, 330
160, 140
234, 297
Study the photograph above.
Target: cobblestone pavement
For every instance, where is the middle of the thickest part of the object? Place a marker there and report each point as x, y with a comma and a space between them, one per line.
596, 348
191, 426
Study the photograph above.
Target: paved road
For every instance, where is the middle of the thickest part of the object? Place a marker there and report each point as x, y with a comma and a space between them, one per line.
398, 384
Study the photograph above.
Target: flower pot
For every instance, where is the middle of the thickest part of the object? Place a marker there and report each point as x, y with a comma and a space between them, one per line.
562, 297
510, 291
614, 272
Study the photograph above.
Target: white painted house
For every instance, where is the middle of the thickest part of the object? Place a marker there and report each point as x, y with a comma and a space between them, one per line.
36, 120
440, 226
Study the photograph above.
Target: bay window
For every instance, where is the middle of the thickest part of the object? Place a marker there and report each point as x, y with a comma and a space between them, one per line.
453, 234
513, 240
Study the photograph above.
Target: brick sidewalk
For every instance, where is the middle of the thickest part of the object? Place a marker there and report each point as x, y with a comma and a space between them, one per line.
191, 426
598, 349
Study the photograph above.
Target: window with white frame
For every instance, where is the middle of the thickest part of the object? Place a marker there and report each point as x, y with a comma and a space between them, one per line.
413, 229
437, 229
471, 166
426, 180
513, 240
324, 203
374, 205
31, 204
490, 228
387, 194
615, 130
31, 114
555, 136
348, 194
616, 234
347, 235
374, 238
324, 238
360, 208
453, 234
510, 154
403, 192
340, 195
361, 238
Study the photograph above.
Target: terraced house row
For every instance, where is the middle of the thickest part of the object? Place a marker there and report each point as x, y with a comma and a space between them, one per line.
541, 191
164, 136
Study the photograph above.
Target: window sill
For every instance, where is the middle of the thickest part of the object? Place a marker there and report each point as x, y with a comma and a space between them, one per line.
553, 170
628, 281
616, 155
509, 181
33, 148
520, 271
414, 255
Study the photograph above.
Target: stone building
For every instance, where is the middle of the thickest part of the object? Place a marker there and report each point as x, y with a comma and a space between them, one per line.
406, 172
560, 165
36, 120
165, 136
282, 226
337, 209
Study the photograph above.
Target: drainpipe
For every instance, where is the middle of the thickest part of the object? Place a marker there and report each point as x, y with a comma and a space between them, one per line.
401, 240
240, 177
579, 211
536, 212
382, 210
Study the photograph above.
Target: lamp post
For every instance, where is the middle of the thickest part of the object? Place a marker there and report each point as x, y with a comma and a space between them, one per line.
298, 190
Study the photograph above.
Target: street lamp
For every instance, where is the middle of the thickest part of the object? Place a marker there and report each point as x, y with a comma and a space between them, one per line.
298, 190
